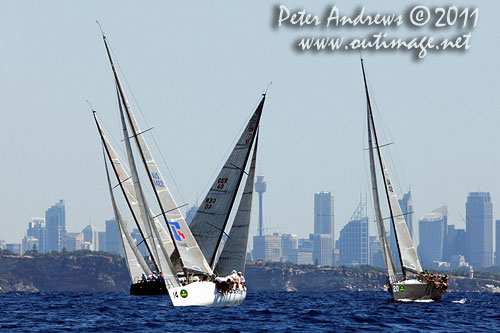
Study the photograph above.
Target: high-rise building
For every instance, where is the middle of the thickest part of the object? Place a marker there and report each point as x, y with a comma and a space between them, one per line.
323, 213
497, 242
37, 229
353, 241
14, 248
91, 236
431, 233
406, 204
322, 249
72, 241
455, 243
136, 235
260, 187
323, 237
376, 259
289, 242
267, 248
55, 222
29, 243
112, 238
479, 229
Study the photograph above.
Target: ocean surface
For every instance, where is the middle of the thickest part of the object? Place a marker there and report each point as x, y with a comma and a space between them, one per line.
272, 312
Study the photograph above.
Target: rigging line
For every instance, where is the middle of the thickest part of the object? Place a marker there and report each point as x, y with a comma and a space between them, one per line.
170, 171
226, 154
386, 144
387, 135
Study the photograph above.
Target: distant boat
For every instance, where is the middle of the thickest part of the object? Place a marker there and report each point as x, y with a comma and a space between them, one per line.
173, 248
413, 284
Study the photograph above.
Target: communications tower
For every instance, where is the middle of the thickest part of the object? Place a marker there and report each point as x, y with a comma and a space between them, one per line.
260, 187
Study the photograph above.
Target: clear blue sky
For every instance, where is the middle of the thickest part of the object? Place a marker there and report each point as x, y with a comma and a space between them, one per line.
197, 69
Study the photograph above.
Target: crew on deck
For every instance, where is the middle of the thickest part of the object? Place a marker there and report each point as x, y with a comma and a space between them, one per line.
231, 283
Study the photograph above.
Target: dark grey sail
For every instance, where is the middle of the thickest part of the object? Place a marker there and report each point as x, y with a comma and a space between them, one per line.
211, 218
233, 255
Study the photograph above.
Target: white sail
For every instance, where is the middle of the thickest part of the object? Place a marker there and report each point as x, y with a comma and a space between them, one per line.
211, 218
135, 262
234, 253
407, 250
190, 253
156, 239
184, 242
382, 235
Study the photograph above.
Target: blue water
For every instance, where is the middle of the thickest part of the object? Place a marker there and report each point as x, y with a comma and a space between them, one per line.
272, 312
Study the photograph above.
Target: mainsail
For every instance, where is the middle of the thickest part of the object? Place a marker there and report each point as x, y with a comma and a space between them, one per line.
135, 262
407, 253
185, 245
384, 244
152, 232
211, 219
233, 255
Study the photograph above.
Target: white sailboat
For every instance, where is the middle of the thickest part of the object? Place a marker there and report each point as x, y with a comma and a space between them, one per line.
413, 285
172, 246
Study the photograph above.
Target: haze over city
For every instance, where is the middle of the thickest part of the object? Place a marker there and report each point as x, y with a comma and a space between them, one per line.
196, 84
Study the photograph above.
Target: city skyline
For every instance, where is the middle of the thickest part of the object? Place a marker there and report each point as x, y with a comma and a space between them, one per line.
192, 83
442, 244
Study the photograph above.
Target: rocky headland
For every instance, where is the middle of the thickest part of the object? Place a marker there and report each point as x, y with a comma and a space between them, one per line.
86, 271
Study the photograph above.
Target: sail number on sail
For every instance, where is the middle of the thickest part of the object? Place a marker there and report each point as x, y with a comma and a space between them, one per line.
157, 180
209, 202
221, 182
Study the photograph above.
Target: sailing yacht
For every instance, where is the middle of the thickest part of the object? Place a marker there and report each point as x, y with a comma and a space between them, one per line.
413, 284
185, 258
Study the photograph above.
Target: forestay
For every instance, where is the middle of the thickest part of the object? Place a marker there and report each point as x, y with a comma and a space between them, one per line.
211, 218
233, 255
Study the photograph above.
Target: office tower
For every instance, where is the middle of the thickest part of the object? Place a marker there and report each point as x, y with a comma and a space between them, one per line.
353, 241
112, 238
55, 223
406, 204
323, 238
29, 243
455, 243
260, 187
376, 259
289, 242
14, 248
323, 213
191, 213
136, 235
72, 241
497, 243
101, 240
431, 233
267, 248
91, 236
37, 229
322, 249
301, 256
479, 229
